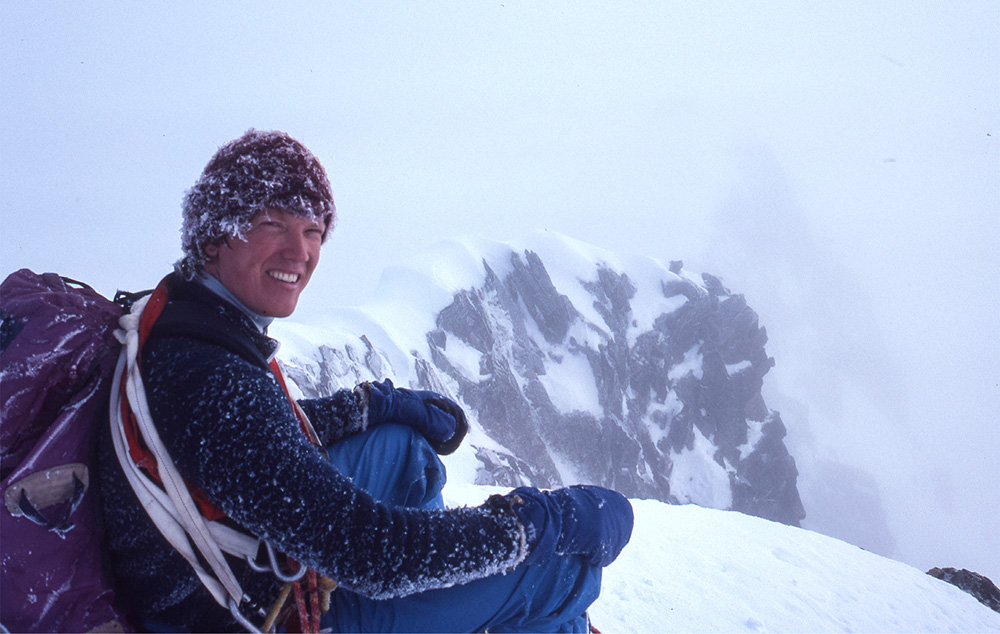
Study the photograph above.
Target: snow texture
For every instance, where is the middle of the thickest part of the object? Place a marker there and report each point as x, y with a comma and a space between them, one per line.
692, 569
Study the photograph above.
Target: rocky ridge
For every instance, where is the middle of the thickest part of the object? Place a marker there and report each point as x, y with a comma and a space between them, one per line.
592, 368
974, 583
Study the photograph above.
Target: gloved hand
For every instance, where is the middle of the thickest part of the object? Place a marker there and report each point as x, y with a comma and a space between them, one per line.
592, 522
438, 419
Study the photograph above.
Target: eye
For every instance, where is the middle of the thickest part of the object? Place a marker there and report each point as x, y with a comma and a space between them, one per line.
268, 225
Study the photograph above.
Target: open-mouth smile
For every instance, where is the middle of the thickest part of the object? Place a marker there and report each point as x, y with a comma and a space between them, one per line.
281, 276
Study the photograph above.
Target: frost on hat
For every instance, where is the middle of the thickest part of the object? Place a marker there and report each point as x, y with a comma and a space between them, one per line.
259, 170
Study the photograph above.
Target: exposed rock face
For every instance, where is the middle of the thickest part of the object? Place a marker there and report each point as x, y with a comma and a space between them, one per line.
653, 389
972, 582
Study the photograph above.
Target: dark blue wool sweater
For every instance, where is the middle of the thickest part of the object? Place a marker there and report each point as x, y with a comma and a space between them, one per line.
231, 432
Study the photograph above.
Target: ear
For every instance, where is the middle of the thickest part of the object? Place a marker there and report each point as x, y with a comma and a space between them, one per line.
212, 251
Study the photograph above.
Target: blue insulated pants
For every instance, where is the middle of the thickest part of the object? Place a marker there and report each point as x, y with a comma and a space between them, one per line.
398, 467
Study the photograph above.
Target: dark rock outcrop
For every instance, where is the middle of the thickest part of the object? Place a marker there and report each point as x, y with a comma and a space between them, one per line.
653, 390
974, 583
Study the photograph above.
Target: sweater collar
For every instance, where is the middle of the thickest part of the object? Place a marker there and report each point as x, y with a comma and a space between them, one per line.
242, 321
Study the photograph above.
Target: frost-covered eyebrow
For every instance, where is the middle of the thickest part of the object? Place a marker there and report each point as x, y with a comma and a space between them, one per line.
265, 214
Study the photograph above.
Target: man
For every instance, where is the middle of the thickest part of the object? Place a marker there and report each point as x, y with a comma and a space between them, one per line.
364, 507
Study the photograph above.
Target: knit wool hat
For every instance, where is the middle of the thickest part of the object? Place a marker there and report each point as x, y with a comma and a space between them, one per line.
259, 170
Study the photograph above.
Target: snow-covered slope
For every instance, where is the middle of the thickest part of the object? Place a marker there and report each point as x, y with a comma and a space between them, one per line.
656, 374
692, 569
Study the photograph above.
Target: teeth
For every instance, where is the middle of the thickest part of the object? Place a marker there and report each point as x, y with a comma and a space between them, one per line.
284, 277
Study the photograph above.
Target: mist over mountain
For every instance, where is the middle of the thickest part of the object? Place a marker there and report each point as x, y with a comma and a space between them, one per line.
574, 365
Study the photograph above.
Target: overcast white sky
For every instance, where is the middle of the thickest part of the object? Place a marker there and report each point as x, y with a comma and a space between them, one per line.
836, 162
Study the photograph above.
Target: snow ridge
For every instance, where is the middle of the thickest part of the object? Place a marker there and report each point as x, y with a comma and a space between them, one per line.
574, 364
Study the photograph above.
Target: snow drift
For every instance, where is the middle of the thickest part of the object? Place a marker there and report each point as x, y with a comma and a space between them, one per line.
691, 569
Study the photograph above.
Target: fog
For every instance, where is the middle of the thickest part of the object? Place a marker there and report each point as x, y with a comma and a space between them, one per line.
838, 165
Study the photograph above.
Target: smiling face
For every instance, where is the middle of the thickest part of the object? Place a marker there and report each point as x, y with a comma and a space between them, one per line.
269, 268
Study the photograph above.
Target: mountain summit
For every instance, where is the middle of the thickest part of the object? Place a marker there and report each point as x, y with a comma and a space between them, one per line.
575, 365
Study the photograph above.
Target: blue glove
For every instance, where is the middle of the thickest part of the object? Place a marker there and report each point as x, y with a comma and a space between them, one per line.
592, 522
438, 419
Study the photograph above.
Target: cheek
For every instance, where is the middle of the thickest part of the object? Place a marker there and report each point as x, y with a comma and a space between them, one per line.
314, 256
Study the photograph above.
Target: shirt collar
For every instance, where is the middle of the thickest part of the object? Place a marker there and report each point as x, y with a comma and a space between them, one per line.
211, 283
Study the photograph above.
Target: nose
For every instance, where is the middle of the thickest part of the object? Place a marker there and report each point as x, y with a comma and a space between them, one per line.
296, 247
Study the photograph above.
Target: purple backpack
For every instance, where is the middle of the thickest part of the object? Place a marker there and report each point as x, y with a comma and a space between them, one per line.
57, 355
